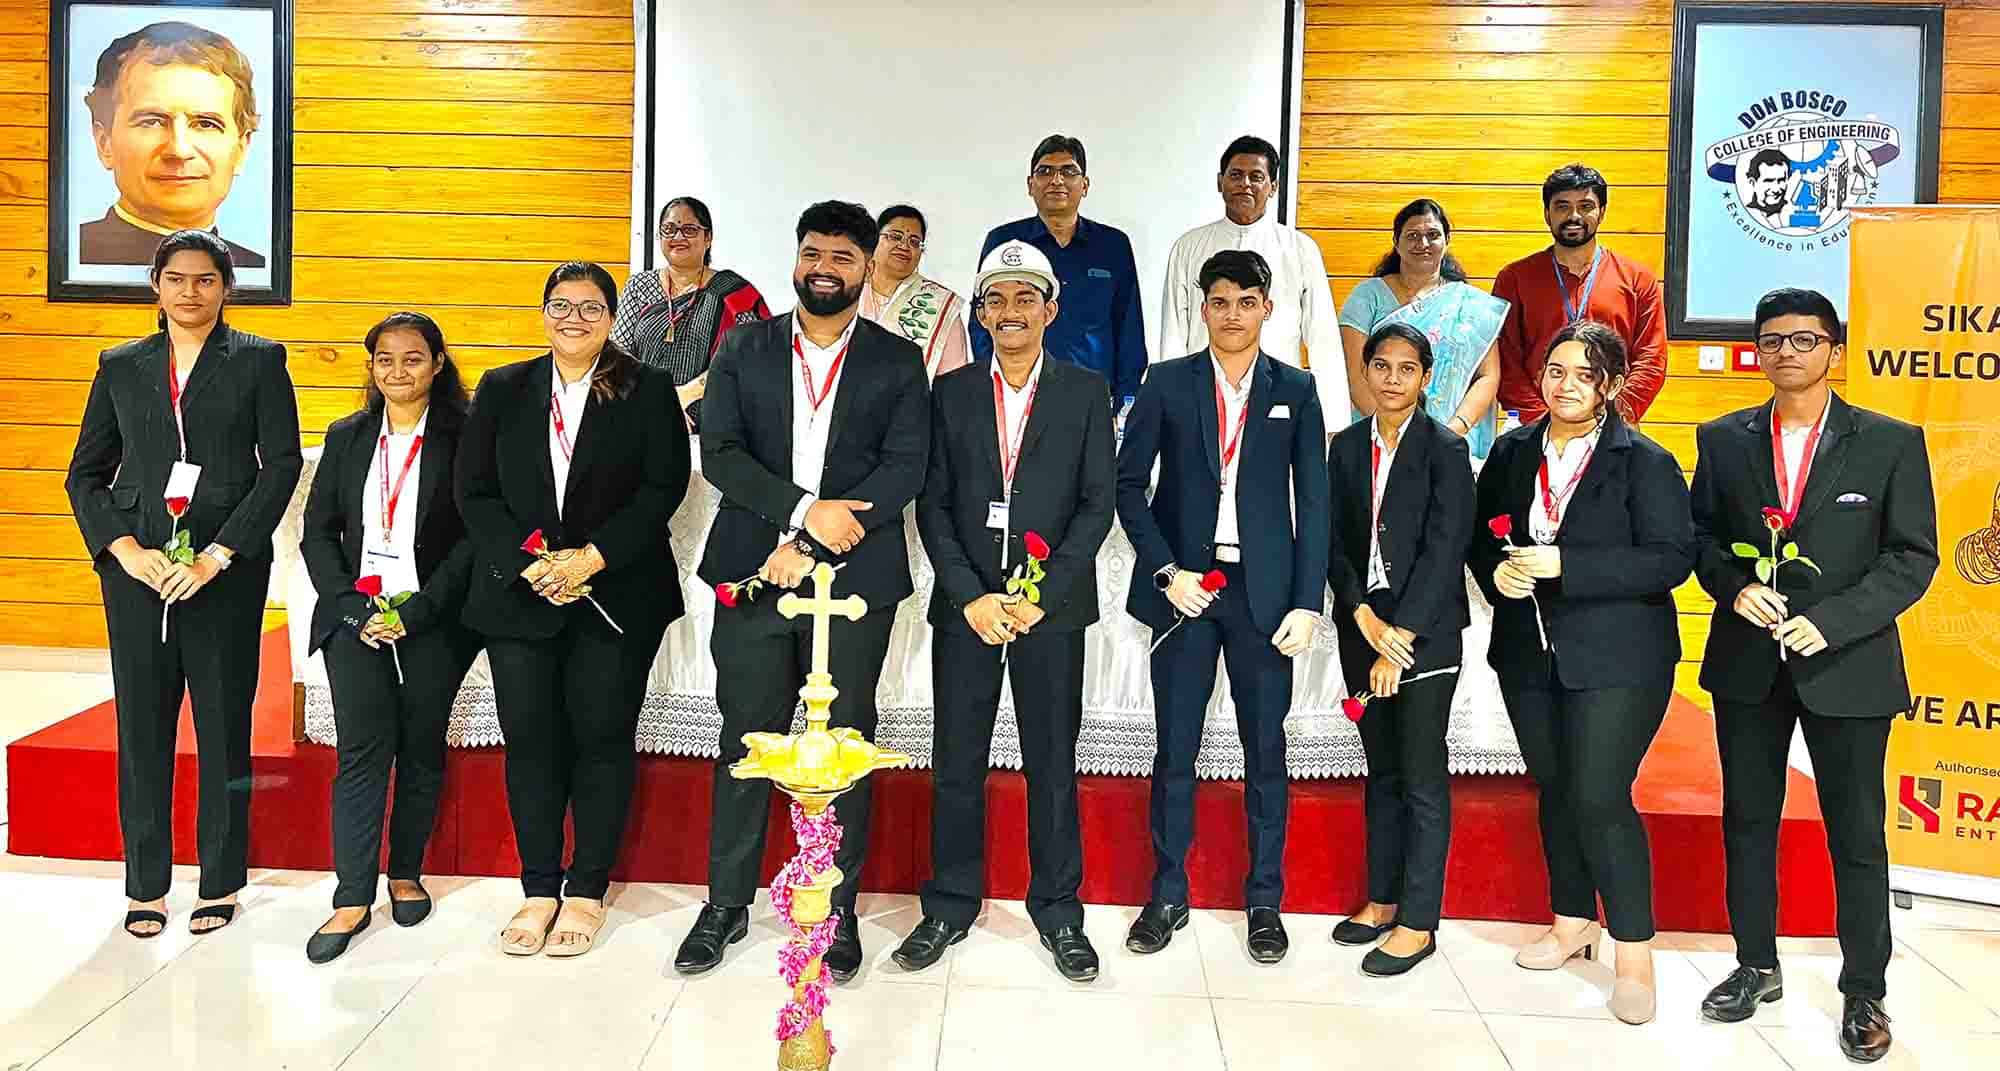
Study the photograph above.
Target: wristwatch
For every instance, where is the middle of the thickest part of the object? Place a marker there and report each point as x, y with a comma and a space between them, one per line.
217, 553
1164, 579
803, 547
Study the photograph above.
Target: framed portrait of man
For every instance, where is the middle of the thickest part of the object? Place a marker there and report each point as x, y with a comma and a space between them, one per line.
167, 115
1785, 118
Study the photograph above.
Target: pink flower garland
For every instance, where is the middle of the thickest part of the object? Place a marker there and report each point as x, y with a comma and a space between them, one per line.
819, 839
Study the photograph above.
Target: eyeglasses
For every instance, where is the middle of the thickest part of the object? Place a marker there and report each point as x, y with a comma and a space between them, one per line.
1802, 341
685, 230
1423, 238
588, 311
1067, 171
914, 241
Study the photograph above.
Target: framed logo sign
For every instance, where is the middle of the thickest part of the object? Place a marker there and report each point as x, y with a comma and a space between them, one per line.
1786, 118
167, 115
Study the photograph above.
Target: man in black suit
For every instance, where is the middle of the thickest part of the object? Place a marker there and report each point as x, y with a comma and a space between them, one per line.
1812, 647
1023, 461
1242, 492
816, 429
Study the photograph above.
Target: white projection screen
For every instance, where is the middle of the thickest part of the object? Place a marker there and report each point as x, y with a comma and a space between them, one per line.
761, 107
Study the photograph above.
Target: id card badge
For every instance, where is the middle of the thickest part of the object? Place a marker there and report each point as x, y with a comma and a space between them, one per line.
398, 571
996, 516
181, 481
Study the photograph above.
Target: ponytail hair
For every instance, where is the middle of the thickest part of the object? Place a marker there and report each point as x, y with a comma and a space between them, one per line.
617, 370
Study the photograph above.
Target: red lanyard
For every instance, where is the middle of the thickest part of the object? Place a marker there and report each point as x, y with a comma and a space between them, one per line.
391, 498
1010, 439
562, 430
174, 399
1229, 441
1552, 503
1376, 488
817, 398
1788, 495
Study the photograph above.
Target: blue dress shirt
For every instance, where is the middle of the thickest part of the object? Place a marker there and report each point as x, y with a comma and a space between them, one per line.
1099, 325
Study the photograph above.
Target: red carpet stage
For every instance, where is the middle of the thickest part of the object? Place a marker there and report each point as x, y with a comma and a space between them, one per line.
62, 802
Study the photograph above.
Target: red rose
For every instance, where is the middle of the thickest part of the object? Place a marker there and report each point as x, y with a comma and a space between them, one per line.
370, 586
1776, 520
1502, 527
726, 594
1353, 707
1038, 548
177, 506
535, 544
1213, 580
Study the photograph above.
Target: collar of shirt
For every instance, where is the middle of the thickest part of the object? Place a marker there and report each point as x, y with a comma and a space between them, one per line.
1014, 395
1036, 227
1235, 396
1571, 452
824, 353
422, 422
1263, 227
570, 390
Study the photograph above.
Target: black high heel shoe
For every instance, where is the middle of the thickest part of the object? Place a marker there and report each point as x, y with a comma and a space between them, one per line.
327, 947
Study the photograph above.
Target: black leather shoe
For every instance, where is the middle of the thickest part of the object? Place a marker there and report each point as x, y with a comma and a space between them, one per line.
926, 944
1350, 932
715, 929
327, 947
1075, 959
410, 912
1268, 943
1737, 997
1380, 964
843, 960
1154, 928
1864, 1030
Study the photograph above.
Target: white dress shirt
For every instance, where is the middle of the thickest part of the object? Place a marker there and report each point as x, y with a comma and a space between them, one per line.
811, 429
1302, 308
1565, 468
1793, 441
1378, 571
1014, 408
1234, 400
572, 399
392, 554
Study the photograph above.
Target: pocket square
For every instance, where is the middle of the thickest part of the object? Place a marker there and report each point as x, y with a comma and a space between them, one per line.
1281, 412
1851, 498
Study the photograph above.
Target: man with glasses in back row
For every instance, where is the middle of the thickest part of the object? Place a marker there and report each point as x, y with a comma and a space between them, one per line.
1816, 647
1101, 327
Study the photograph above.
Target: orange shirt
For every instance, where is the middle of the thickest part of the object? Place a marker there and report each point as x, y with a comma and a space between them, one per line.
1626, 297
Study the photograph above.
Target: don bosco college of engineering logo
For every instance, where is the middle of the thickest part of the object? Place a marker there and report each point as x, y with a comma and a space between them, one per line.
1798, 167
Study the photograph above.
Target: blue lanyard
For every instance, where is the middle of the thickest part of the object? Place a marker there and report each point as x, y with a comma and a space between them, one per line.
1575, 312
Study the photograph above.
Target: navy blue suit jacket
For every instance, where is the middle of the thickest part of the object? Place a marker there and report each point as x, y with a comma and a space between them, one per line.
1282, 517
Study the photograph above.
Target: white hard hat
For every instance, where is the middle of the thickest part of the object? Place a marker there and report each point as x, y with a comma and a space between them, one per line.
1016, 261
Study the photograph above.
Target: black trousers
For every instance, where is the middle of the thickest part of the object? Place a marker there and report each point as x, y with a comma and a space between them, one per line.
1046, 669
1583, 748
1847, 756
1408, 799
569, 706
761, 661
211, 657
1260, 682
382, 724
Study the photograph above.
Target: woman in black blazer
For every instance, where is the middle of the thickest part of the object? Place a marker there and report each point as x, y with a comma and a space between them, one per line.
585, 445
198, 418
1598, 536
1402, 508
382, 506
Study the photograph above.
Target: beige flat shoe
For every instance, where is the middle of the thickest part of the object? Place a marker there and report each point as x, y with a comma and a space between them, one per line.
533, 920
1550, 952
581, 919
1632, 1002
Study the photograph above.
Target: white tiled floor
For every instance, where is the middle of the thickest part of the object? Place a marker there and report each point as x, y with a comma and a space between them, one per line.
76, 993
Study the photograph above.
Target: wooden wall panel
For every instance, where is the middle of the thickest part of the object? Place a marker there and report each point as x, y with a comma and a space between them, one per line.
448, 153
1472, 102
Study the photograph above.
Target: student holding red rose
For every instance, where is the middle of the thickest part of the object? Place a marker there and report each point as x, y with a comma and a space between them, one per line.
199, 412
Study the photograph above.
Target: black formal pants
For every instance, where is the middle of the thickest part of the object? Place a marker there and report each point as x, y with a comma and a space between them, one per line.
1583, 748
569, 706
1847, 756
1046, 669
1408, 799
761, 661
1260, 682
383, 724
211, 652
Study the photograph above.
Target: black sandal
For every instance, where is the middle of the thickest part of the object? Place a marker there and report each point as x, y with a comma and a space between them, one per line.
134, 918
225, 912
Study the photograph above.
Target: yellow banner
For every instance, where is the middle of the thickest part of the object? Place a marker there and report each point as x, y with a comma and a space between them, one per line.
1924, 345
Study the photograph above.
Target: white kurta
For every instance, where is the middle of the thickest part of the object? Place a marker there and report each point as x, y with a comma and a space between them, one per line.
1303, 315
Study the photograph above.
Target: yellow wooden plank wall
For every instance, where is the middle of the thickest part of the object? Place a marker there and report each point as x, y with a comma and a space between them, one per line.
1473, 102
448, 152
